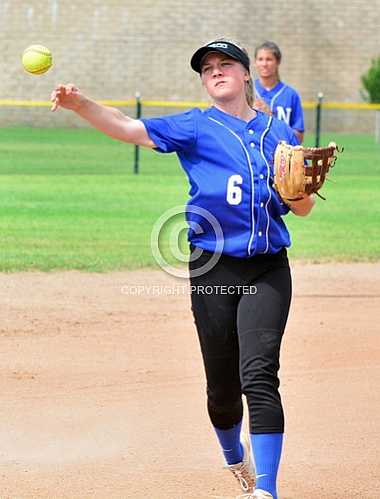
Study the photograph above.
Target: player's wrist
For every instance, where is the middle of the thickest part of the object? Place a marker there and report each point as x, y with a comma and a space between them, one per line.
301, 197
82, 105
302, 207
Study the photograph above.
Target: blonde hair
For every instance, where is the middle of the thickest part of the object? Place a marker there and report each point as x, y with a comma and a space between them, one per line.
249, 86
250, 92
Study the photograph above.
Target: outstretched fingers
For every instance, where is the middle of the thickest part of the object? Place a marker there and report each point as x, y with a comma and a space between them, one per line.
56, 96
64, 96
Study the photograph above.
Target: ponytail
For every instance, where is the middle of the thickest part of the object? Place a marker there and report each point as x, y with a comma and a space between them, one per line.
250, 92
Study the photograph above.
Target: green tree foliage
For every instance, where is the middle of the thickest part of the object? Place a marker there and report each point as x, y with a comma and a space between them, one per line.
371, 82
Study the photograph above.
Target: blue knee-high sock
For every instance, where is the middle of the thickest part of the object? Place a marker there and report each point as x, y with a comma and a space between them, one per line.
267, 449
230, 441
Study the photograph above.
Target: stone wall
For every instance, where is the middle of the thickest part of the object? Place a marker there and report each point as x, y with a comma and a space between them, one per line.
113, 48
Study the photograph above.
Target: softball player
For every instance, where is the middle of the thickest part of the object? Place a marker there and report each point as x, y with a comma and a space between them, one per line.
227, 153
272, 94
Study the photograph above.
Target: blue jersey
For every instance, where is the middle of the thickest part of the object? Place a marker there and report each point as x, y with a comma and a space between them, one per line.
229, 163
284, 102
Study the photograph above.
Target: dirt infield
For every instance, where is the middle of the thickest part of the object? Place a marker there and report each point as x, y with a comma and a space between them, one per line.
102, 388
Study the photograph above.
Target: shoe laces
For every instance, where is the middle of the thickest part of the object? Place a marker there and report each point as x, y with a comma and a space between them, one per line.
243, 475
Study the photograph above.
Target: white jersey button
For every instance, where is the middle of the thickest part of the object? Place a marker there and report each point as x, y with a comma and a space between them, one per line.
250, 132
261, 176
252, 144
261, 205
260, 234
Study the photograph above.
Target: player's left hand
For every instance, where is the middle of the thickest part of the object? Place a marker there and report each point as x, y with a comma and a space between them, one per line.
293, 176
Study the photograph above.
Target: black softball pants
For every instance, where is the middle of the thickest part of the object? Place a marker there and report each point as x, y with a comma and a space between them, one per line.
240, 308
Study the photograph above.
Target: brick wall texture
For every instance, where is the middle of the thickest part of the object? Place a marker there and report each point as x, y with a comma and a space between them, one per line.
113, 48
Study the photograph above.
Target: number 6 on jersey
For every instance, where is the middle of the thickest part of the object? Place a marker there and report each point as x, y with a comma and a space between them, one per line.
234, 193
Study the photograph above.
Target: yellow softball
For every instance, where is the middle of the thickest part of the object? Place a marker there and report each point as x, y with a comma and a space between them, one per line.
37, 59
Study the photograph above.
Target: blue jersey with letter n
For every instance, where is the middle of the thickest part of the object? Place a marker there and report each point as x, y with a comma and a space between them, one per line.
284, 102
229, 163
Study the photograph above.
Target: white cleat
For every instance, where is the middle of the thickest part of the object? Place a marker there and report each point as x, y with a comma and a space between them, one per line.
261, 494
257, 494
244, 472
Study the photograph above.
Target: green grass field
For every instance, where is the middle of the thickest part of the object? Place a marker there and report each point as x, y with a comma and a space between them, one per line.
69, 200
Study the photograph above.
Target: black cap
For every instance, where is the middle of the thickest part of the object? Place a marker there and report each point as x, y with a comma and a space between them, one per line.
223, 47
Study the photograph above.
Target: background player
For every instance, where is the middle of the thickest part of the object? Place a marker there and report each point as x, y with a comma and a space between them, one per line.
272, 94
227, 152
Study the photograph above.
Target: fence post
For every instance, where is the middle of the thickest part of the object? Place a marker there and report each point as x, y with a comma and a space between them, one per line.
318, 119
137, 148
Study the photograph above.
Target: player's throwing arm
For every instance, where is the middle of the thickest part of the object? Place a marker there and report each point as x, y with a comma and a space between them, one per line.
108, 120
